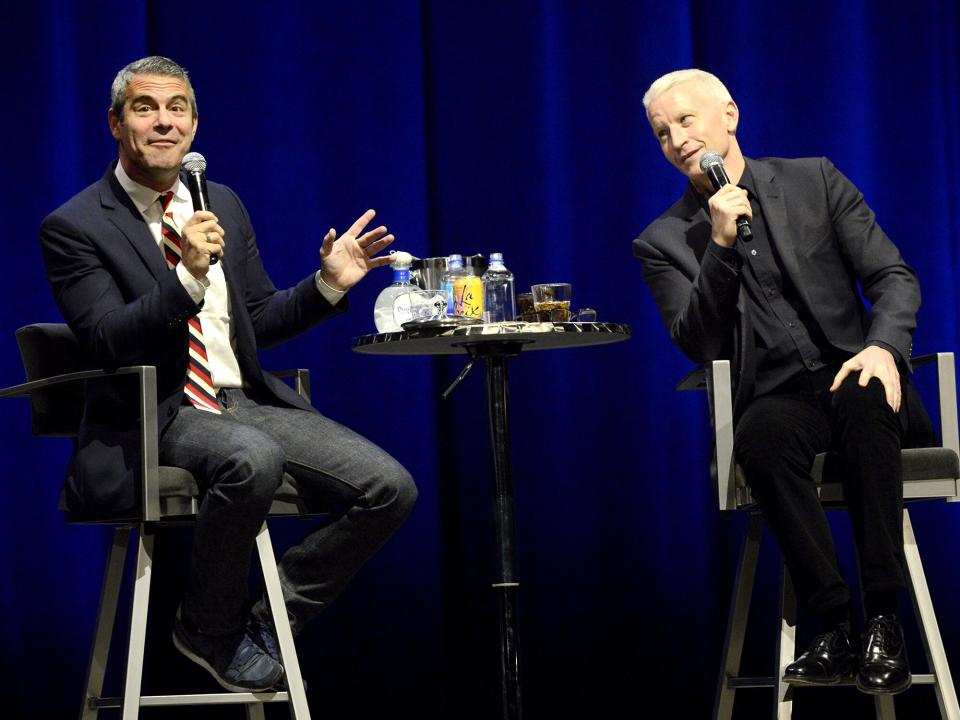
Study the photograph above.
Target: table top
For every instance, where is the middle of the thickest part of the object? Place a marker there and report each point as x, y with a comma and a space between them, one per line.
516, 335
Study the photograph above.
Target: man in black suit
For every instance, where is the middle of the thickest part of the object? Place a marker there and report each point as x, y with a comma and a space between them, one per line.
142, 279
815, 369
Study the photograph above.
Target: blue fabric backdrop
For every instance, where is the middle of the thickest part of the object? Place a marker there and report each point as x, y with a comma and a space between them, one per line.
478, 127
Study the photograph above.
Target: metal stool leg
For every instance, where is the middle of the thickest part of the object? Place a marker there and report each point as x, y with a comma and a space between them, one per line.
255, 711
786, 645
138, 624
737, 619
132, 698
106, 616
884, 707
929, 630
288, 651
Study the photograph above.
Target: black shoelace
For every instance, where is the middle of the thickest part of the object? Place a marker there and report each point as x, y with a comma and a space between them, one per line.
881, 635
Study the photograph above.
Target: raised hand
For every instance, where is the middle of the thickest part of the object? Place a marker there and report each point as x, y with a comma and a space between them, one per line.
345, 260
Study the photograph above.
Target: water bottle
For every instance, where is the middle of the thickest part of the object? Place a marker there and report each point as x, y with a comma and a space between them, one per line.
453, 271
393, 307
499, 301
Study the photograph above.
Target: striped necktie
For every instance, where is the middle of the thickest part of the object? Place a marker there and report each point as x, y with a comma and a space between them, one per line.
198, 385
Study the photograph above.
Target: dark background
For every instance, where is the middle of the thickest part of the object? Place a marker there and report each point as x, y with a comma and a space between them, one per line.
478, 127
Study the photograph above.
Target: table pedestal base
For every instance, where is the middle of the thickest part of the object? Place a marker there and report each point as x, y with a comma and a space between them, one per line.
495, 343
507, 583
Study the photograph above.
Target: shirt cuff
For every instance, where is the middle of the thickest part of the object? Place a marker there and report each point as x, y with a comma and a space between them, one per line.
329, 294
194, 287
886, 346
728, 256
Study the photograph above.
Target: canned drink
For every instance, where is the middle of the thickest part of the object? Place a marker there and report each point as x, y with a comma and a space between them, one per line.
468, 296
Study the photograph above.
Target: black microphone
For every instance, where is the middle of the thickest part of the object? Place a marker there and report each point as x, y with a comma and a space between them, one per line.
194, 165
711, 165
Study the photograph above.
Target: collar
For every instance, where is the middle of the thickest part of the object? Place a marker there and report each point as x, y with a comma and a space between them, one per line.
747, 182
144, 197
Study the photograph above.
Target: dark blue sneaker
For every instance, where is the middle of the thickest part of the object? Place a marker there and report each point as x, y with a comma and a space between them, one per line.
235, 661
262, 634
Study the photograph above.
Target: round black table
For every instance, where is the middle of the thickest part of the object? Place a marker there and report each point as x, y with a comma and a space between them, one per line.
495, 343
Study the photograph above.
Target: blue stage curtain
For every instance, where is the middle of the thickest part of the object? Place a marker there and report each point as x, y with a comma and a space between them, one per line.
477, 127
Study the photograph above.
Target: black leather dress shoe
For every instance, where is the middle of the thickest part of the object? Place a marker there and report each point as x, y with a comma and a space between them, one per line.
829, 660
883, 667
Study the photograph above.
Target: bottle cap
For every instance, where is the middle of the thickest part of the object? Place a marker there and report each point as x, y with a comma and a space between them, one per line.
496, 257
401, 260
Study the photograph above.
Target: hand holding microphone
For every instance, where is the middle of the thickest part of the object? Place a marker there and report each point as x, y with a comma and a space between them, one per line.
711, 164
194, 165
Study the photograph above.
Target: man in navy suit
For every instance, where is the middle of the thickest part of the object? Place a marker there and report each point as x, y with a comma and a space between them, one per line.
815, 369
142, 279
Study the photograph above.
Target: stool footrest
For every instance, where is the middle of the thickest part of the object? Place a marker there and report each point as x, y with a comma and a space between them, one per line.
751, 682
203, 699
738, 683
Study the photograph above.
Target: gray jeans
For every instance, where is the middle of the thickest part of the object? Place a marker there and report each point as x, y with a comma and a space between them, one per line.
238, 459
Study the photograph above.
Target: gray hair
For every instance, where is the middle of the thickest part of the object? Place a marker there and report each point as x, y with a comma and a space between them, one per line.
153, 65
672, 79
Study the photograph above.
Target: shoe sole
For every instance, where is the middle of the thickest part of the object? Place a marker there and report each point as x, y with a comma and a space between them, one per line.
889, 691
805, 682
839, 679
183, 648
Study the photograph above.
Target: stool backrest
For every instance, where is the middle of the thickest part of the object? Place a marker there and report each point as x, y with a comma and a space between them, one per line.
49, 349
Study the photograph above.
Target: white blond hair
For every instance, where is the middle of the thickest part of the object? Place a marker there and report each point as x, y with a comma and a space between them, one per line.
672, 79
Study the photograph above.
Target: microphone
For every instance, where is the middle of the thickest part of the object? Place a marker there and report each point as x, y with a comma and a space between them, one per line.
194, 165
711, 165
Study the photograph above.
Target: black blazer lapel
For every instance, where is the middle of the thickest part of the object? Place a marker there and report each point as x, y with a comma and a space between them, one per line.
120, 210
772, 198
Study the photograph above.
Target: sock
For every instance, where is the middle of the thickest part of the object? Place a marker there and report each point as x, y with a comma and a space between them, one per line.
837, 618
881, 602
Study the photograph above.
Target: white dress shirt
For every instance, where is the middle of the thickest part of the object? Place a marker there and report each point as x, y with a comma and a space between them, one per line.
215, 318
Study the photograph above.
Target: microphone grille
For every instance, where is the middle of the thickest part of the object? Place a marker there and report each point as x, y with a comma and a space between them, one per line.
194, 162
707, 160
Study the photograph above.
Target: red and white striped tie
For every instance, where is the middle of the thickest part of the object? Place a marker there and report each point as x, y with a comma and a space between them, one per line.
198, 386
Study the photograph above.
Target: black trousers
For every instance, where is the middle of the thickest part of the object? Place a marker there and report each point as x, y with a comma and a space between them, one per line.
776, 439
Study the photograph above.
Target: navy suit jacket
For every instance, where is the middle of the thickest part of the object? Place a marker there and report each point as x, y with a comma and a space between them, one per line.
126, 307
830, 244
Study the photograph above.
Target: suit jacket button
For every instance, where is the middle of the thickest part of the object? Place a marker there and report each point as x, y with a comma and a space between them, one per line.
170, 411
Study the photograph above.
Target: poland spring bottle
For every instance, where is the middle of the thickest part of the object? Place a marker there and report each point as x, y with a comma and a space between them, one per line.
499, 301
453, 271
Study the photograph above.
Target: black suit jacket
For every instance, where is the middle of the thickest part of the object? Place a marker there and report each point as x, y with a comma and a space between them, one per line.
126, 307
830, 245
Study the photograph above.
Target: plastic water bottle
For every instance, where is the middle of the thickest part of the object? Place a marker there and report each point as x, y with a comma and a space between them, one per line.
393, 307
499, 301
453, 271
